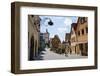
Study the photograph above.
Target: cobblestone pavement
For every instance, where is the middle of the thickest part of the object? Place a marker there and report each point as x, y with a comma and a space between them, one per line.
50, 55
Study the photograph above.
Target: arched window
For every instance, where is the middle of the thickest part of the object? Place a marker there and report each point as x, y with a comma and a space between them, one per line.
82, 31
31, 52
86, 29
36, 48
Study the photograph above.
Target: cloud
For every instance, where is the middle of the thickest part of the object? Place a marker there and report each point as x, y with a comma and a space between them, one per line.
46, 22
68, 21
61, 30
52, 35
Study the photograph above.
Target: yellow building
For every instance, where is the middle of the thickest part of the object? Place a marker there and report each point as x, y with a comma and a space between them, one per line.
33, 36
79, 37
82, 35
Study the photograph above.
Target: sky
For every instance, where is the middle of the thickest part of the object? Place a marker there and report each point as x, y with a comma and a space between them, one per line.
61, 25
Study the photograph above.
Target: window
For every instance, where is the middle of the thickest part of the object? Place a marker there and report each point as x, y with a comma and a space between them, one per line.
79, 33
83, 19
82, 31
34, 23
31, 53
86, 48
36, 48
81, 47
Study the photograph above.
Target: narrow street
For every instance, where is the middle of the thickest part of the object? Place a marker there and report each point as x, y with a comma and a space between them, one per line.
50, 55
66, 36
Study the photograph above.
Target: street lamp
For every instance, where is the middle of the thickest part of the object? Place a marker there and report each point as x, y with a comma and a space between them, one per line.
49, 21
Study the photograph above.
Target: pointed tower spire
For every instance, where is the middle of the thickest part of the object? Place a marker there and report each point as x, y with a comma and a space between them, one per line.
46, 30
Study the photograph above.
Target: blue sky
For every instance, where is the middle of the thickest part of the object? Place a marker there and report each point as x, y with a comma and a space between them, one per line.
62, 25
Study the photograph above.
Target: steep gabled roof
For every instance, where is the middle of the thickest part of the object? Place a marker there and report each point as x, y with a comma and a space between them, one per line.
67, 36
74, 26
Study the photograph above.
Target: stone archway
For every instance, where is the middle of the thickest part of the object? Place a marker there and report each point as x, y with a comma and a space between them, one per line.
36, 48
31, 53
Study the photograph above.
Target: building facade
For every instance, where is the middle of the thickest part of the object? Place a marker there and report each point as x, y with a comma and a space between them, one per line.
82, 35
33, 36
73, 39
68, 43
46, 36
79, 37
44, 40
50, 42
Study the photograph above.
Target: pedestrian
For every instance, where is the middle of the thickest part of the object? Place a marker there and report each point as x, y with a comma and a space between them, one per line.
66, 52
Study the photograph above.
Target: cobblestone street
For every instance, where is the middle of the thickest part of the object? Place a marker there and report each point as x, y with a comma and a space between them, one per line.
50, 55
